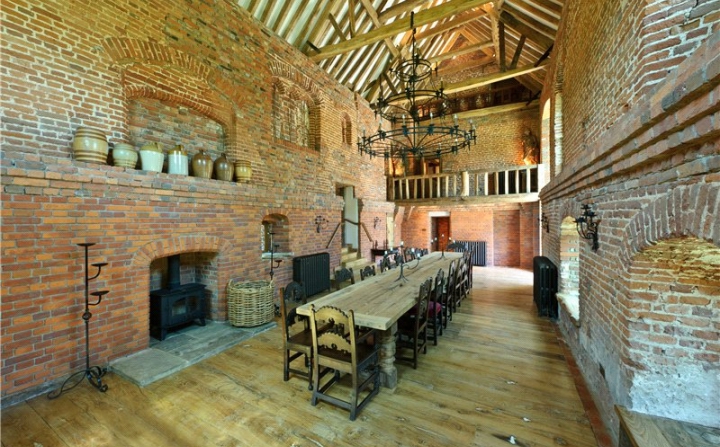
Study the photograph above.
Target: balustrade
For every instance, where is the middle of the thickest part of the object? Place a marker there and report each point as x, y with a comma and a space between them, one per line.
519, 180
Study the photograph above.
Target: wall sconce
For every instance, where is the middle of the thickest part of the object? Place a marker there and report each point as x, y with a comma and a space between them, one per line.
321, 223
376, 222
587, 226
545, 223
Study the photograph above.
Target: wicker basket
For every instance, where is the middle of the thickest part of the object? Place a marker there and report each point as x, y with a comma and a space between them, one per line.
250, 303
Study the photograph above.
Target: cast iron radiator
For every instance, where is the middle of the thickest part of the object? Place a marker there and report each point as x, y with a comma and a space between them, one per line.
545, 286
312, 272
477, 252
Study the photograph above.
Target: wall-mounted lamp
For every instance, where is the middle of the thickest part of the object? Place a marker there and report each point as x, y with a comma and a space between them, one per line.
376, 222
321, 223
587, 226
545, 222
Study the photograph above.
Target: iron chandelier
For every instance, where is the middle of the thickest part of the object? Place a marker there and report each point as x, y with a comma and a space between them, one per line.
408, 137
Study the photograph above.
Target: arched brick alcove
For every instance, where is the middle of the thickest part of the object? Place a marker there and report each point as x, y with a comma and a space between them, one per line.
669, 294
178, 245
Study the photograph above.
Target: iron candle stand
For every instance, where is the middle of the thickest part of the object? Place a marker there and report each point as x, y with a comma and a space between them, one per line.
273, 262
93, 374
402, 267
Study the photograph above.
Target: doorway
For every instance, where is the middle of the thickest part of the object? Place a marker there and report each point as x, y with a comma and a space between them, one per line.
440, 230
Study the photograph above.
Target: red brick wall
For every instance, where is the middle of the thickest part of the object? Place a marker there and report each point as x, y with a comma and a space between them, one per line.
641, 143
509, 230
499, 141
112, 66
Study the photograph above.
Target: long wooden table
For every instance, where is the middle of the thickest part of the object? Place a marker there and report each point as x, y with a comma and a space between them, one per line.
379, 301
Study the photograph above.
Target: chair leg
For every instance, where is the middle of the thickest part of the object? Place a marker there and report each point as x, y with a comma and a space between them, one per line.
354, 397
309, 365
286, 366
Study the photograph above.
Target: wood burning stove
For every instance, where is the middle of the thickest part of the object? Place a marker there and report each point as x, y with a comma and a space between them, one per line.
177, 304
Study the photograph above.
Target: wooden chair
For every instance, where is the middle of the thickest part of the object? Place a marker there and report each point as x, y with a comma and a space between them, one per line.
467, 279
461, 278
412, 329
456, 246
342, 276
297, 336
438, 306
385, 264
367, 272
450, 288
342, 348
409, 254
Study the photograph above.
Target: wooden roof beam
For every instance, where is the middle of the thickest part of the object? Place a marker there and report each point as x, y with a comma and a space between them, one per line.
378, 23
489, 79
525, 30
518, 50
457, 21
424, 17
401, 8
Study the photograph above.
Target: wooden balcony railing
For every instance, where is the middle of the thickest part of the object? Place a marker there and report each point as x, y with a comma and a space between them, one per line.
520, 180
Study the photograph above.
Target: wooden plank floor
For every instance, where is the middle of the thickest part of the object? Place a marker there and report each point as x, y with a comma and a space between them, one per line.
497, 378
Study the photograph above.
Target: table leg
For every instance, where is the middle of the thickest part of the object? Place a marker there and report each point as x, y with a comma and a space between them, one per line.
388, 372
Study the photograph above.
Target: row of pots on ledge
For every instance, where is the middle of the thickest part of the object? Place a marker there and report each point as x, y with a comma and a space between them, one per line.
91, 146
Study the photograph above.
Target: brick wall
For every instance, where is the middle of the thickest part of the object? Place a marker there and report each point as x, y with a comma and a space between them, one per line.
499, 140
150, 72
639, 84
510, 230
137, 73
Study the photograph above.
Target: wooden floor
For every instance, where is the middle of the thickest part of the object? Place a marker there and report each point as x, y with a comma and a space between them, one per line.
497, 378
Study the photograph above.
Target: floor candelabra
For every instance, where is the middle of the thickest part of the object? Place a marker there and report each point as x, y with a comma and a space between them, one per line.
93, 374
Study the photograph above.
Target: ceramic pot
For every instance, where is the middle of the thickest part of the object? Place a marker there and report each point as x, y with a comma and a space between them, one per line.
178, 161
124, 155
223, 168
202, 165
90, 145
152, 157
243, 171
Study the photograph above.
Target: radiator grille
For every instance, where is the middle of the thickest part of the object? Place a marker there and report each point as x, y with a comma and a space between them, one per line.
312, 272
545, 283
477, 252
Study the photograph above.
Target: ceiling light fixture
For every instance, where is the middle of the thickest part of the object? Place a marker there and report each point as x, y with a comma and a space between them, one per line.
408, 138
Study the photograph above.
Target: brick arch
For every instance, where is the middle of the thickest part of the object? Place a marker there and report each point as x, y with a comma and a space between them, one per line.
146, 56
184, 244
283, 70
285, 87
213, 113
126, 50
177, 245
682, 211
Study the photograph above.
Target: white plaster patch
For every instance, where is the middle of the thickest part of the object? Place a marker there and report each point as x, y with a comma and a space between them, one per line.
686, 393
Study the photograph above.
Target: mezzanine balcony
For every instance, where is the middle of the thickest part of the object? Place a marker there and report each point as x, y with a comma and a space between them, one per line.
520, 183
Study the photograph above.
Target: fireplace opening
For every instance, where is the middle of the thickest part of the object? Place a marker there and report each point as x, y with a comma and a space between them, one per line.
176, 305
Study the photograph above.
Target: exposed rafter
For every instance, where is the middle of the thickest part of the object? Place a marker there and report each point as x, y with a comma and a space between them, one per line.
358, 42
489, 79
421, 18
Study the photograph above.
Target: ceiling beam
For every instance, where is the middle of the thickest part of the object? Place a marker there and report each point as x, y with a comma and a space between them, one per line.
501, 45
530, 20
460, 52
351, 17
518, 50
266, 13
402, 8
525, 30
421, 18
378, 23
489, 79
337, 28
320, 24
457, 21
